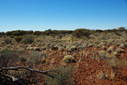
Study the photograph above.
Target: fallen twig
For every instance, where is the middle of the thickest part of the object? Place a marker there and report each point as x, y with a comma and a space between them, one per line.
29, 69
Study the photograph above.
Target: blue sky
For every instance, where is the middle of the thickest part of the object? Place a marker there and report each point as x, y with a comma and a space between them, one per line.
62, 14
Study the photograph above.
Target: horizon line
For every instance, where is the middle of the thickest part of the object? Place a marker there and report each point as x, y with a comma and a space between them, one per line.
59, 29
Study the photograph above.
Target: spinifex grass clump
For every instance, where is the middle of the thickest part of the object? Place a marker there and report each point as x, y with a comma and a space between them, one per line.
68, 59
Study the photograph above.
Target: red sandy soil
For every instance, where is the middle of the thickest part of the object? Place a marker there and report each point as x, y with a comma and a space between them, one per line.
88, 69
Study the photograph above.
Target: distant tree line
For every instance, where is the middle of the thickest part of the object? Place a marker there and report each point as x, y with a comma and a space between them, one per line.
77, 33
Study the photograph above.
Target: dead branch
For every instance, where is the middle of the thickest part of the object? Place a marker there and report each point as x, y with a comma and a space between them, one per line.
28, 69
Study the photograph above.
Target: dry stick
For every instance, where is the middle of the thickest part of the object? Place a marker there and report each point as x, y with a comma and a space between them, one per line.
29, 69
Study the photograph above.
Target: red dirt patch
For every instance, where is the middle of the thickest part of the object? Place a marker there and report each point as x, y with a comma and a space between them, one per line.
89, 69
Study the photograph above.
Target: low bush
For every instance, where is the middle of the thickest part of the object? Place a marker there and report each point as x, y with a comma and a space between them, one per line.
37, 58
8, 57
62, 76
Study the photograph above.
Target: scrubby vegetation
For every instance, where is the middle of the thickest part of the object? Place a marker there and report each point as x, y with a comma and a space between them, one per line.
64, 57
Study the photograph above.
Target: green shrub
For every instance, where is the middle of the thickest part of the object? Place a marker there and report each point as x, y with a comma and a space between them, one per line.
8, 57
37, 58
62, 76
